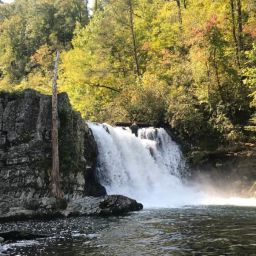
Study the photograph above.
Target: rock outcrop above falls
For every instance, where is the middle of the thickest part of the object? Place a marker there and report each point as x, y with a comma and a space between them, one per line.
25, 154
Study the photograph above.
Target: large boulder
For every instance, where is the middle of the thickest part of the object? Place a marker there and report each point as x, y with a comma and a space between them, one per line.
102, 206
118, 205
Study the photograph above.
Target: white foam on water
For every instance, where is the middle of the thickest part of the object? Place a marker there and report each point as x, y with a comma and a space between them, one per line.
148, 168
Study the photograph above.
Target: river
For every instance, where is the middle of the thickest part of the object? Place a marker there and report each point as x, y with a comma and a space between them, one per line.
204, 230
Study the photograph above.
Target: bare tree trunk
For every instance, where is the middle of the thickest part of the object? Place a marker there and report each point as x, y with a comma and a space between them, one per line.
209, 78
122, 67
95, 7
240, 25
232, 6
179, 13
55, 174
217, 76
185, 4
135, 52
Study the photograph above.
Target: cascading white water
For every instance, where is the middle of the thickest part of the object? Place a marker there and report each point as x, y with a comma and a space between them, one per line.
147, 167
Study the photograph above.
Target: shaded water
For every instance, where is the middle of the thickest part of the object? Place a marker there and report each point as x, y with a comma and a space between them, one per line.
207, 230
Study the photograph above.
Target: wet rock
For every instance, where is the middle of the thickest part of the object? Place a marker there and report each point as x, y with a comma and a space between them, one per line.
48, 208
19, 211
32, 204
102, 206
118, 205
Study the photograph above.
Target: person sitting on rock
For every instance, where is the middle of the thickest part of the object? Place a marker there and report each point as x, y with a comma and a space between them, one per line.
134, 128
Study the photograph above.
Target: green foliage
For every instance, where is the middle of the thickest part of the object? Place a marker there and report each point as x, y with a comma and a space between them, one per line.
190, 120
30, 33
250, 73
145, 101
191, 66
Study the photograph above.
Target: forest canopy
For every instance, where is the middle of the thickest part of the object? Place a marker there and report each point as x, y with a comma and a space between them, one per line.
188, 64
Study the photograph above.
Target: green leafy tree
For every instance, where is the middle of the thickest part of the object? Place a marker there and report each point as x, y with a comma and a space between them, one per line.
188, 64
26, 26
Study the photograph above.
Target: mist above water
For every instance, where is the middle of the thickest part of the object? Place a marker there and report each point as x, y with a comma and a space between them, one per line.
148, 168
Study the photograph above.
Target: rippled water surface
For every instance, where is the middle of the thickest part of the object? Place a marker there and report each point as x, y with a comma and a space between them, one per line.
187, 231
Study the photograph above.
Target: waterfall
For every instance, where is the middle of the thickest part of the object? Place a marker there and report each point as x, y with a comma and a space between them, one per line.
147, 168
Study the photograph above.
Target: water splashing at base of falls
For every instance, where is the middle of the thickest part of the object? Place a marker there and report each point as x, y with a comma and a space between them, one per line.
148, 168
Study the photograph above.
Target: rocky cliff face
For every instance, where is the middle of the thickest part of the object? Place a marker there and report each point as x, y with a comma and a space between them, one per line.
25, 150
233, 173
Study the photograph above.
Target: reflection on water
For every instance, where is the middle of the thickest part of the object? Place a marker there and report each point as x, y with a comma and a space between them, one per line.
188, 231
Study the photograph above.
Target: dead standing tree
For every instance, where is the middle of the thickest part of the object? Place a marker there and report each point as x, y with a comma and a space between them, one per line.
55, 174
